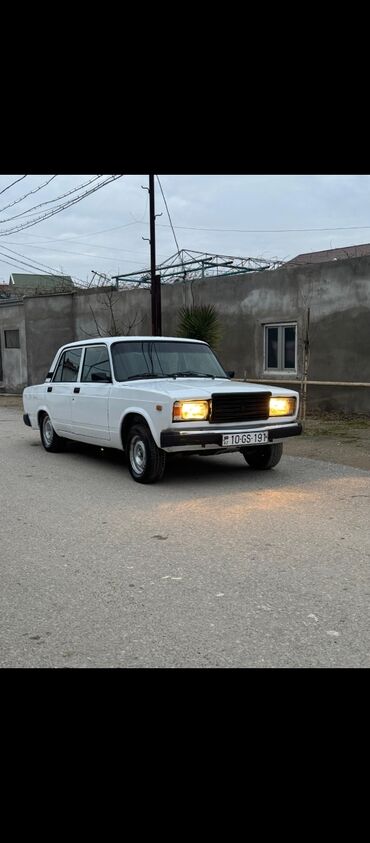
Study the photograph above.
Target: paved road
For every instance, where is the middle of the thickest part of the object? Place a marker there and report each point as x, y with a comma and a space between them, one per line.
217, 566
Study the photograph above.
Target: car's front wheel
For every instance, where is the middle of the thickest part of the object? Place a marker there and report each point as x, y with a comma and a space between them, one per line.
146, 462
49, 438
264, 456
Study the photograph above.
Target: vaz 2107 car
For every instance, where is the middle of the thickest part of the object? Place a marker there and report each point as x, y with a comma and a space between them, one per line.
153, 396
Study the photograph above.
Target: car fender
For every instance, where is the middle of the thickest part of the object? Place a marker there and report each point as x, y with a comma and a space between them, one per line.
42, 408
140, 411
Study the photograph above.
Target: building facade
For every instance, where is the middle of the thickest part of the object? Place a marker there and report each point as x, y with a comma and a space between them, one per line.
272, 321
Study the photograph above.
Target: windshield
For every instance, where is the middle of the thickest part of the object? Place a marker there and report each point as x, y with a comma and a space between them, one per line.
143, 359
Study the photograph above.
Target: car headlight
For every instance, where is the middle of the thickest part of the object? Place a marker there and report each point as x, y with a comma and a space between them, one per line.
280, 406
190, 411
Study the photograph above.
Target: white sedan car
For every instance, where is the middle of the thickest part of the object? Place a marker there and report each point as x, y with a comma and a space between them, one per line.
150, 396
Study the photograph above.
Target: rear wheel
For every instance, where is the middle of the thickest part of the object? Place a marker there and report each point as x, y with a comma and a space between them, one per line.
146, 462
263, 457
50, 440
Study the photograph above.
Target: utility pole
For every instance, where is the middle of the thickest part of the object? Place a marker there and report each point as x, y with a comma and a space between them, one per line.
155, 279
306, 360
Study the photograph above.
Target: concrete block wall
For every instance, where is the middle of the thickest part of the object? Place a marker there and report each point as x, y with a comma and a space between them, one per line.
13, 368
337, 293
49, 324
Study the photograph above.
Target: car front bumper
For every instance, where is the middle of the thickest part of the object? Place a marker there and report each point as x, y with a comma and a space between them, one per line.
182, 438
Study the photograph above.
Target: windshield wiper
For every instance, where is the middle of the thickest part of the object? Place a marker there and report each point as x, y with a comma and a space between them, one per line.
170, 375
190, 374
142, 376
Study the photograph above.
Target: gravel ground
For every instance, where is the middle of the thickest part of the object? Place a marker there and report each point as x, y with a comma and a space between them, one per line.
217, 566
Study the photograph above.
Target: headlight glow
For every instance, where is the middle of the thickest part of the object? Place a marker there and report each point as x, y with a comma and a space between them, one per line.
280, 406
190, 410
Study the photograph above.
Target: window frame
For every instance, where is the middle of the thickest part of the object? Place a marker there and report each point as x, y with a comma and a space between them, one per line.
12, 347
65, 350
85, 348
279, 369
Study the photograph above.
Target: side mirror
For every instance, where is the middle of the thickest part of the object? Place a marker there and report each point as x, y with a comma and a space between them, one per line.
230, 374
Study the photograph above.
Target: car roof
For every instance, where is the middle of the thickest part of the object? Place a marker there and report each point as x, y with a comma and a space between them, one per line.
111, 340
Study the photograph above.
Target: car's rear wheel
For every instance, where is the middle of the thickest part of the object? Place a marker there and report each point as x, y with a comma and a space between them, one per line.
264, 456
146, 462
49, 438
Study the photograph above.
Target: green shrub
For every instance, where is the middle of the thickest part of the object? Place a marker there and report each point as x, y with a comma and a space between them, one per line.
200, 323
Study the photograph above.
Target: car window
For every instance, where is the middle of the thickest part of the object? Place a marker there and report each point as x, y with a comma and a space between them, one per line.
183, 356
134, 358
96, 365
130, 358
68, 366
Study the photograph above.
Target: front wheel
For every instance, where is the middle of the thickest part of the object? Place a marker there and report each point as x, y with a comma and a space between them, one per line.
50, 440
146, 462
264, 456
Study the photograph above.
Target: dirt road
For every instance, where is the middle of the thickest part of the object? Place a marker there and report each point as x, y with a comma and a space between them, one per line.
335, 439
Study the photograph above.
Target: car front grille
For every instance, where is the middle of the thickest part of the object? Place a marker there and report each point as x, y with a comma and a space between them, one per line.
239, 407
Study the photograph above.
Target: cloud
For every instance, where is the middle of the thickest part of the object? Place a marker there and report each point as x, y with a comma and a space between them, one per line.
105, 230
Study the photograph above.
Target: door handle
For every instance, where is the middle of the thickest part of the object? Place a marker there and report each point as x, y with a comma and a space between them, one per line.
50, 388
76, 389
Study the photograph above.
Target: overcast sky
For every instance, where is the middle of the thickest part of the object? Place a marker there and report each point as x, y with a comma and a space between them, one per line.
254, 212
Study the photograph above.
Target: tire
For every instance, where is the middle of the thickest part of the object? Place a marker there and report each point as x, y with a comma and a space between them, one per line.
146, 462
263, 457
50, 440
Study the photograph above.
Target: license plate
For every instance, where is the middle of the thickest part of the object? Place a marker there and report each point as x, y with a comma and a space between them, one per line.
245, 438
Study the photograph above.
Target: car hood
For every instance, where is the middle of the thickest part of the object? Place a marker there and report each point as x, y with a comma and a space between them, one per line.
201, 387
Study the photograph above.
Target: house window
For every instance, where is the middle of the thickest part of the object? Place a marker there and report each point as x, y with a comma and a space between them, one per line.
281, 347
11, 339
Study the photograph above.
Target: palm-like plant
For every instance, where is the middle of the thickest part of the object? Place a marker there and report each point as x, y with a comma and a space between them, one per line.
200, 323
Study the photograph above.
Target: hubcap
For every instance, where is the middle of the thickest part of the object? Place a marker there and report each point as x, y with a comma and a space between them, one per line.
137, 455
47, 429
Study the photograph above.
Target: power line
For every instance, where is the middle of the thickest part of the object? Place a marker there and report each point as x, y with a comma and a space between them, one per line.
48, 202
16, 201
16, 262
231, 230
13, 183
91, 233
78, 243
59, 208
41, 266
75, 238
21, 255
169, 217
266, 230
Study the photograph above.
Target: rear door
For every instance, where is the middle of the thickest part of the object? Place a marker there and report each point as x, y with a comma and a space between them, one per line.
90, 400
60, 391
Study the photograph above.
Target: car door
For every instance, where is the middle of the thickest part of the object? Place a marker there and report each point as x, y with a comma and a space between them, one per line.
60, 391
90, 400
